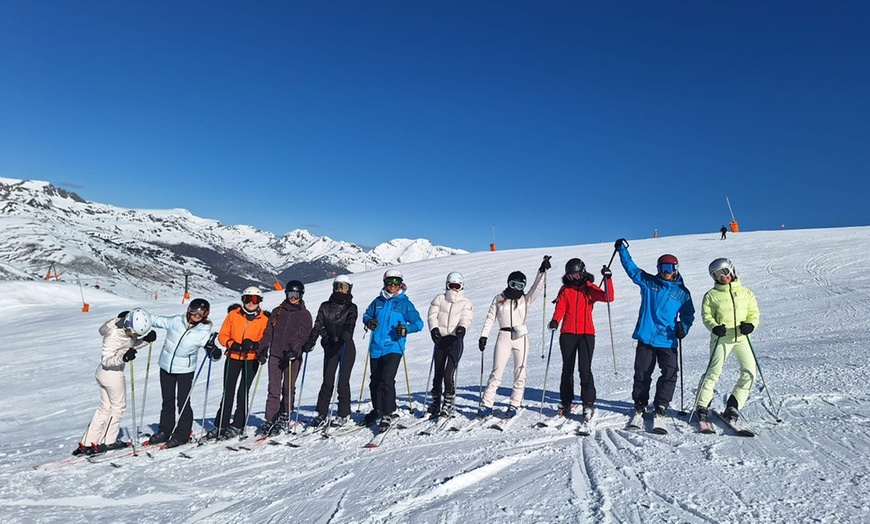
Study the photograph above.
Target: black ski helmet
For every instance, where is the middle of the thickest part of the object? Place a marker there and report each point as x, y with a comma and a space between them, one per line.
575, 265
517, 276
199, 304
295, 285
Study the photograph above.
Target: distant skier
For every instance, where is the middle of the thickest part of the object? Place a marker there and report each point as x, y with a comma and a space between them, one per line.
663, 298
730, 312
335, 323
450, 315
723, 231
122, 336
574, 305
391, 317
185, 336
287, 330
510, 308
240, 333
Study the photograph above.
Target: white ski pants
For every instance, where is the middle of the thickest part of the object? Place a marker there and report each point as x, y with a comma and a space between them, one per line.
518, 351
106, 423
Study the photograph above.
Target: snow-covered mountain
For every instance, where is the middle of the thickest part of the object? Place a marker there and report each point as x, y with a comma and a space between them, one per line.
151, 251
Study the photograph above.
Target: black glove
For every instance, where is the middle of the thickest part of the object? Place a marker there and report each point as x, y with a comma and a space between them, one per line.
436, 335
262, 356
680, 331
215, 353
606, 272
150, 337
307, 346
553, 325
482, 343
545, 265
401, 330
122, 314
372, 324
235, 346
249, 345
620, 242
346, 336
287, 359
129, 355
590, 278
719, 331
746, 328
460, 331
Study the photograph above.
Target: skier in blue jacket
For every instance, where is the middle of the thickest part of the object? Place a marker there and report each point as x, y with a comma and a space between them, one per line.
666, 313
390, 317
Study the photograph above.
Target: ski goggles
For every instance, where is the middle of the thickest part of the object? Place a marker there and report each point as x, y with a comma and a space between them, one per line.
721, 272
341, 286
456, 286
519, 285
667, 268
251, 299
201, 311
392, 281
293, 294
576, 276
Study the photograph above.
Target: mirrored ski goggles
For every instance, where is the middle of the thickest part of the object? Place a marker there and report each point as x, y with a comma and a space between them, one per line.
251, 299
293, 294
341, 286
393, 281
201, 311
576, 276
667, 268
721, 272
519, 285
456, 286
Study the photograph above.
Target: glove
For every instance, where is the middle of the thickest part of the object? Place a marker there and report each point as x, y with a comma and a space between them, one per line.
680, 331
746, 328
215, 353
129, 355
619, 243
122, 314
249, 345
372, 324
401, 330
346, 336
590, 278
235, 346
719, 331
606, 272
287, 359
545, 265
482, 343
152, 336
436, 335
460, 332
307, 346
553, 325
261, 357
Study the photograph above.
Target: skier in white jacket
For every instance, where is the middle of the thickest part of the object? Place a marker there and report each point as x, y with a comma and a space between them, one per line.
122, 336
510, 307
450, 316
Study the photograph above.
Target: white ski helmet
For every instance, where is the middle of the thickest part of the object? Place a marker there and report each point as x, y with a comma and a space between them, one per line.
252, 291
454, 277
393, 273
342, 281
720, 267
138, 322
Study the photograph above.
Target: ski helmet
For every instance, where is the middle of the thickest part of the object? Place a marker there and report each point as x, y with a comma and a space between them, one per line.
668, 259
517, 280
294, 286
200, 305
575, 265
721, 267
454, 277
342, 282
138, 322
391, 275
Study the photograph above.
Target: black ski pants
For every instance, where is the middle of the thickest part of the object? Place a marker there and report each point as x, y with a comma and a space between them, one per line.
579, 349
233, 370
383, 382
645, 360
175, 389
337, 357
447, 353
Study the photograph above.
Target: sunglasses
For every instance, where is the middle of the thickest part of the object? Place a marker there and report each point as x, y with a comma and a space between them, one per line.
293, 294
198, 311
251, 299
454, 285
392, 281
519, 285
667, 268
721, 272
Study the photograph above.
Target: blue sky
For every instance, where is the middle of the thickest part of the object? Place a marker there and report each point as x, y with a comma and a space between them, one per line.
556, 122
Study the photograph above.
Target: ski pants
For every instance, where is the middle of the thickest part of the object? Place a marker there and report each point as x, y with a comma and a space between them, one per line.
504, 348
719, 350
106, 422
579, 349
175, 389
383, 382
448, 351
337, 357
233, 369
282, 387
645, 360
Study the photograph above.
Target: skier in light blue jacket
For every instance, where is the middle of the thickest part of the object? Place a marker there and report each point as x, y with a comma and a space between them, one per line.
185, 336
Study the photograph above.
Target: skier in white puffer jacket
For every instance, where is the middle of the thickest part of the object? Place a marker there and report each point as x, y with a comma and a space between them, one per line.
450, 316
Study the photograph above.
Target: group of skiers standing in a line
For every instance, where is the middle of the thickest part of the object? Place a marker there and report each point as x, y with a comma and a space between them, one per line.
254, 337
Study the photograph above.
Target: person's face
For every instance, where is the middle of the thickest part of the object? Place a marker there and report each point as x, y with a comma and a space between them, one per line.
668, 275
725, 279
392, 284
251, 302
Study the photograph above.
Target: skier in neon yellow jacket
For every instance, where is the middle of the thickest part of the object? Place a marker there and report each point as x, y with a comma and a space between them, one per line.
730, 312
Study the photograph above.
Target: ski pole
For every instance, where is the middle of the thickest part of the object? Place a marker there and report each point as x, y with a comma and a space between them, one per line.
133, 402
408, 382
480, 387
205, 403
429, 378
362, 384
609, 318
187, 400
544, 317
760, 374
253, 395
145, 389
546, 371
301, 386
698, 394
682, 412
